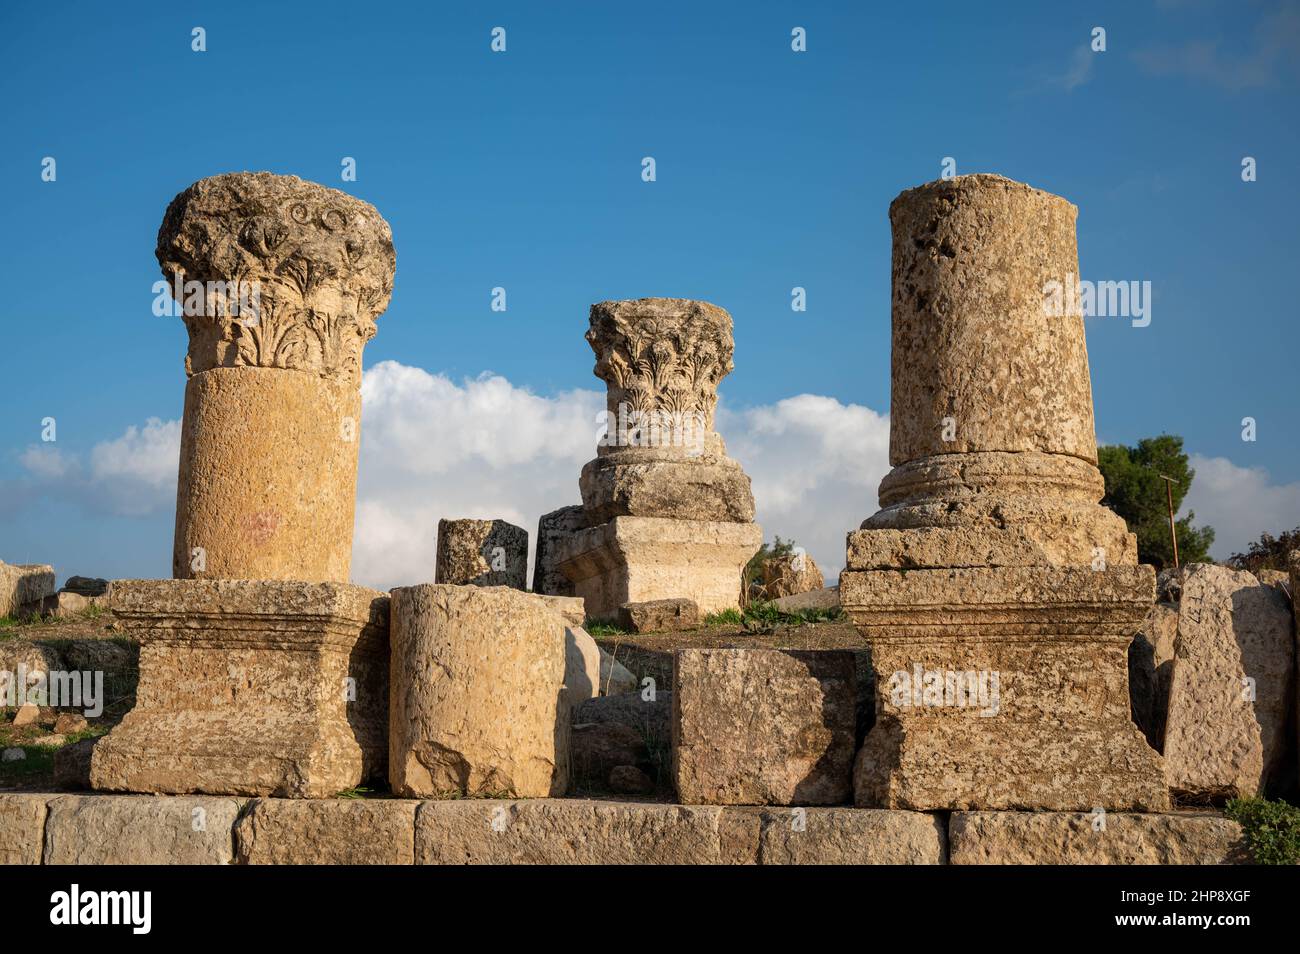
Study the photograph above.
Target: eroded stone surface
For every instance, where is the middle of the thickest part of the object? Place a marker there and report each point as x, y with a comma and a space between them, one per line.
1086, 838
250, 687
637, 559
763, 726
482, 553
659, 616
337, 832
851, 836
126, 830
575, 831
551, 528
1232, 691
22, 828
789, 575
1150, 668
478, 703
280, 283
24, 586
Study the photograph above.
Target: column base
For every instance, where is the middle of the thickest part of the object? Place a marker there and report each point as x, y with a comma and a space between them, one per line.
636, 559
1003, 688
250, 687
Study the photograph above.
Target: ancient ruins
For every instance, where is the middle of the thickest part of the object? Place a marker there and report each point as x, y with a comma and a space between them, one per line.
1009, 662
667, 512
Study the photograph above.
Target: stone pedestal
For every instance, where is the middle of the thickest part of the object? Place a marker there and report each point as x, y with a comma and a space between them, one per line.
660, 465
640, 559
279, 282
478, 694
997, 596
250, 687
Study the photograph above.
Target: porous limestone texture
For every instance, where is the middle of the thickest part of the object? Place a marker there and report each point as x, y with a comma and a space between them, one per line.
482, 553
318, 832
24, 586
997, 595
1232, 692
639, 559
1094, 838
789, 575
280, 282
659, 616
250, 687
763, 726
478, 699
551, 529
127, 830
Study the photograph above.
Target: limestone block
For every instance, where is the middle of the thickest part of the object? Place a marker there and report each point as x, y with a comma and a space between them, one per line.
637, 559
478, 703
551, 528
22, 828
851, 836
578, 831
482, 553
126, 830
638, 485
763, 726
1112, 838
1003, 687
24, 586
1232, 692
790, 574
345, 831
827, 598
659, 616
581, 666
250, 687
1150, 670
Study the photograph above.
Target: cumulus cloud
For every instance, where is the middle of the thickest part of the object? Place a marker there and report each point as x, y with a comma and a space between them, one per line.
1240, 503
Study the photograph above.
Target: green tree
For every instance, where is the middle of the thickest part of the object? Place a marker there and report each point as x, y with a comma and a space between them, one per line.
1136, 491
1268, 552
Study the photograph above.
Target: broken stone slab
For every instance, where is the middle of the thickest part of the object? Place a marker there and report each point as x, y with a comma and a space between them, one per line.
763, 726
1094, 838
482, 553
704, 488
630, 780
345, 831
790, 574
581, 831
827, 598
65, 604
250, 687
72, 765
551, 529
652, 717
86, 586
478, 703
615, 678
659, 616
1232, 691
29, 713
636, 559
128, 830
581, 666
1150, 667
598, 748
24, 586
851, 836
1003, 687
22, 828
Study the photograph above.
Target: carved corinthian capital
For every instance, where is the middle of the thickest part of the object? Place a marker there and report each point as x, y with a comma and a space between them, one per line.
275, 272
662, 355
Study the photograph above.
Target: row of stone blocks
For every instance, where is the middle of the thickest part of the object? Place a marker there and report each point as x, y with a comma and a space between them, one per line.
139, 829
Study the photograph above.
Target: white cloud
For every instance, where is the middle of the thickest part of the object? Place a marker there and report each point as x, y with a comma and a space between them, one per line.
1240, 503
432, 448
49, 462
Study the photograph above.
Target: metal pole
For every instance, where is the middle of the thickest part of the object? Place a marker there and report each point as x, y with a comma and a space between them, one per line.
1173, 532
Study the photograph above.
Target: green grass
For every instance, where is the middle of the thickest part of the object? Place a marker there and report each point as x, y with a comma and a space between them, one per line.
726, 617
1272, 829
598, 628
765, 614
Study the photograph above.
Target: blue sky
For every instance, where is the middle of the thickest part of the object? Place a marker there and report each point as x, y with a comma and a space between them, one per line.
522, 169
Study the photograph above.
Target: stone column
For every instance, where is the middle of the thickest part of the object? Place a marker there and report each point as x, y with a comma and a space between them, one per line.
669, 514
280, 281
991, 566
